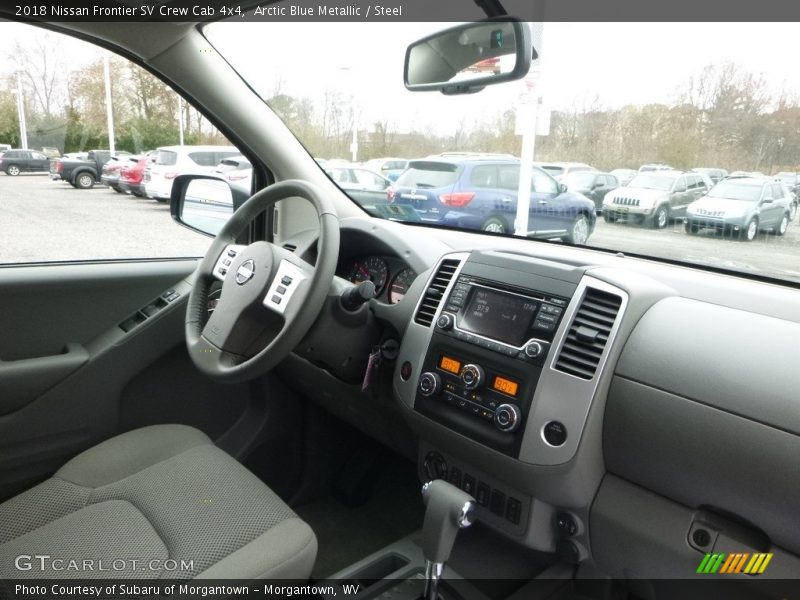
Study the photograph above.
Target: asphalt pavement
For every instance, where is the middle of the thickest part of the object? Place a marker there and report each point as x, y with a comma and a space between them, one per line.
43, 220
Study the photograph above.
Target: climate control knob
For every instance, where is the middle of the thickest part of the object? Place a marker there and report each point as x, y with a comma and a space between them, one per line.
507, 417
472, 376
429, 384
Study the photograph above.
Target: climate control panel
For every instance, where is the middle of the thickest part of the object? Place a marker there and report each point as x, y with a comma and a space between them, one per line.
473, 392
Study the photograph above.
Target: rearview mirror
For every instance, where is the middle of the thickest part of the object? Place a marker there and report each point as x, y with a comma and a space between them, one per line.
203, 203
467, 58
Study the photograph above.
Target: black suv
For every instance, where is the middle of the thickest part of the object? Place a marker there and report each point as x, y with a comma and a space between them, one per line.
14, 162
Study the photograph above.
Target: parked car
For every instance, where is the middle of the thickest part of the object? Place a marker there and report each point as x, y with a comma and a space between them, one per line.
131, 175
111, 171
4, 147
716, 175
742, 207
739, 174
171, 161
653, 198
82, 173
362, 185
387, 167
592, 184
14, 162
654, 167
624, 176
51, 152
482, 194
560, 169
238, 172
792, 182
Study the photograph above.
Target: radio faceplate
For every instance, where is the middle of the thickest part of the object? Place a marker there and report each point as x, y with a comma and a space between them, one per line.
485, 358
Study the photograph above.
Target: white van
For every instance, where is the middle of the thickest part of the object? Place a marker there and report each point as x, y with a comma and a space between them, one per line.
171, 161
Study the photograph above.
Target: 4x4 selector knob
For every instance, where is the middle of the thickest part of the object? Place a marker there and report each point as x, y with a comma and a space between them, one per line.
445, 322
429, 384
507, 417
472, 376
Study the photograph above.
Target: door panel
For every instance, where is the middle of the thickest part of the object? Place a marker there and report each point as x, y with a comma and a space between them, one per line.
64, 402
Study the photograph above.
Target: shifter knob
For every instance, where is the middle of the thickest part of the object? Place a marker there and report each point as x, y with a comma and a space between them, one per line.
447, 509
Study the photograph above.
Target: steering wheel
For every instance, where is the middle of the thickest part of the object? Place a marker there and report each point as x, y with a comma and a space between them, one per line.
270, 296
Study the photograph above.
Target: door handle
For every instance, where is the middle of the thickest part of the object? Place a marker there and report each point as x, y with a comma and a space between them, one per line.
542, 201
26, 379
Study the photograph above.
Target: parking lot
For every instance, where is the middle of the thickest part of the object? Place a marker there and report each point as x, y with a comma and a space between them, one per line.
44, 220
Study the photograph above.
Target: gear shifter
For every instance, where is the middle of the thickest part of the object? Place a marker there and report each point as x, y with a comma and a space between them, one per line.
448, 509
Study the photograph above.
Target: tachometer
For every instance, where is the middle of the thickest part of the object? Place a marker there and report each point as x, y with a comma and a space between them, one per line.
400, 284
373, 269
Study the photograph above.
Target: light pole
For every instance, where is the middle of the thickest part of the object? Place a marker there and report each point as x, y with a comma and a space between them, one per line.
23, 128
354, 142
180, 119
109, 111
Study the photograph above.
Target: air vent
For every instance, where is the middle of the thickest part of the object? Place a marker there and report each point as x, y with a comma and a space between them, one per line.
290, 247
588, 334
434, 294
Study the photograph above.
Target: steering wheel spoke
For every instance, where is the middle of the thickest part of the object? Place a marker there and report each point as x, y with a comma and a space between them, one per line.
288, 288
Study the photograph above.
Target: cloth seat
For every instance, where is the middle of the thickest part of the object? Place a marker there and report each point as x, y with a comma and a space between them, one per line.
157, 502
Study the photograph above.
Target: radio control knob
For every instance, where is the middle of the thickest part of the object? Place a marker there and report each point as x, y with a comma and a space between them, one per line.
472, 376
445, 322
429, 384
533, 349
507, 417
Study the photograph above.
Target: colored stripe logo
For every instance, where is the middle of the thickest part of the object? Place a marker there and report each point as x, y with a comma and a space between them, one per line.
735, 562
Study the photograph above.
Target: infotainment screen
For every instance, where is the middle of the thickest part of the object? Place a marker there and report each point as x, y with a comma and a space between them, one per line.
503, 317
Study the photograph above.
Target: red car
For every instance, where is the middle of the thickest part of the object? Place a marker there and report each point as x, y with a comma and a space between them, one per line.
132, 174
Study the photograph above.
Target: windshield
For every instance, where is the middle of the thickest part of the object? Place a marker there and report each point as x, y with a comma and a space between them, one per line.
652, 182
731, 190
707, 104
580, 181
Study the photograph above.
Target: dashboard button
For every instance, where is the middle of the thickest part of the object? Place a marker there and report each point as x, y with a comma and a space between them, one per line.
472, 376
468, 484
555, 433
513, 510
454, 476
405, 371
482, 494
497, 503
533, 349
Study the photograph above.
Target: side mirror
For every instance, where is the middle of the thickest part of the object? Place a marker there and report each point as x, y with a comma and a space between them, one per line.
202, 203
466, 58
562, 188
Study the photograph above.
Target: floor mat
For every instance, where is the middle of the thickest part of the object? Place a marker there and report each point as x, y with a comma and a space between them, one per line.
346, 534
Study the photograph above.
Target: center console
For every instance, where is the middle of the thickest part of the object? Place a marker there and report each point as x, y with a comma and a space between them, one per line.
485, 358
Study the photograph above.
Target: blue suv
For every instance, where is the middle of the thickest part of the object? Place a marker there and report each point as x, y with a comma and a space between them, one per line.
481, 193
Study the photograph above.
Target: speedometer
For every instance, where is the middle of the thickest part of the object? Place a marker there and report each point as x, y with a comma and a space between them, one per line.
400, 284
372, 269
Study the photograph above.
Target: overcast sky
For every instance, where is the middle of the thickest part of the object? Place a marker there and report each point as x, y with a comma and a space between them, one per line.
620, 63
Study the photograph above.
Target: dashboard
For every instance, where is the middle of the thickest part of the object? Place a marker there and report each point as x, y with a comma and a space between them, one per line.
571, 392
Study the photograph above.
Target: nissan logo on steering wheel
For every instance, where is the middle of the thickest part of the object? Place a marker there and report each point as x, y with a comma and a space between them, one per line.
245, 272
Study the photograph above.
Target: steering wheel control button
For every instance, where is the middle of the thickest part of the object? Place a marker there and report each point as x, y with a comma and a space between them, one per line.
231, 252
224, 261
554, 433
507, 417
223, 271
429, 384
405, 371
286, 274
445, 322
533, 349
472, 376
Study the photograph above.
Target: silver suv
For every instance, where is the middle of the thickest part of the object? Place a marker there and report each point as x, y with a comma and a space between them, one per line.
654, 197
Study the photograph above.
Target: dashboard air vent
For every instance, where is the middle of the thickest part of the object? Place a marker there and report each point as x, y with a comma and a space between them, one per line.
435, 292
290, 247
588, 334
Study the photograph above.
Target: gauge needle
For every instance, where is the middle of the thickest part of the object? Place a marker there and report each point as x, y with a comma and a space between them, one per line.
363, 271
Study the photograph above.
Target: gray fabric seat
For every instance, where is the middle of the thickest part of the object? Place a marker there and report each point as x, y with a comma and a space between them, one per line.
157, 502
